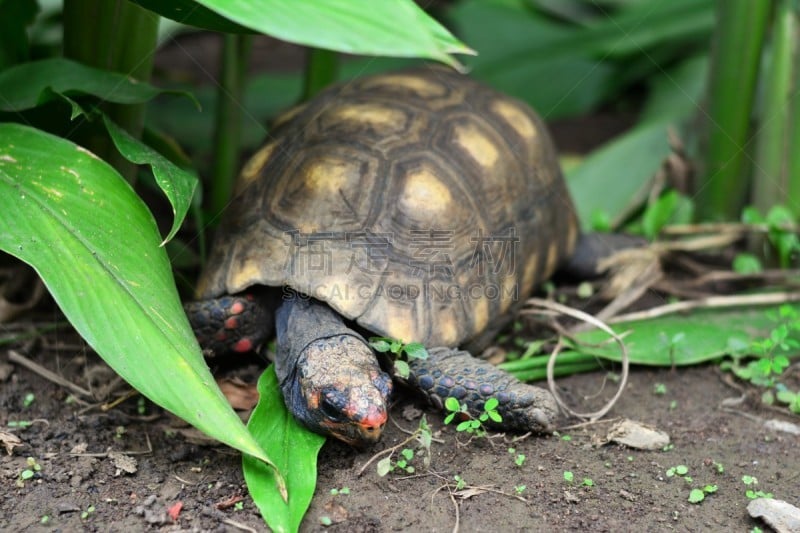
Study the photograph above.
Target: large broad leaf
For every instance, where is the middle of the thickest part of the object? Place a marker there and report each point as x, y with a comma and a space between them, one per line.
31, 84
398, 28
685, 339
555, 85
95, 245
178, 184
677, 93
192, 13
619, 171
294, 449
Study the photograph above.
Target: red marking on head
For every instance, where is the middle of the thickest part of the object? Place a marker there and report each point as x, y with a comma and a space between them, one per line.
376, 418
237, 308
231, 323
243, 345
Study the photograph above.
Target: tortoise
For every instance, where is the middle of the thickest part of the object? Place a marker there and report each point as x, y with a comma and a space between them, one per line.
418, 205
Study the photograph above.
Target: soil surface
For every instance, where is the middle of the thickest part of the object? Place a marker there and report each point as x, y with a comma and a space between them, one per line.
82, 486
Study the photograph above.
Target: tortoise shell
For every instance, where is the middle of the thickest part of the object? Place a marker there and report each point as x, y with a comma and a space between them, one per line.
420, 204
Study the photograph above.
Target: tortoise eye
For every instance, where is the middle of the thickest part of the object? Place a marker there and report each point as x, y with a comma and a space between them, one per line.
332, 404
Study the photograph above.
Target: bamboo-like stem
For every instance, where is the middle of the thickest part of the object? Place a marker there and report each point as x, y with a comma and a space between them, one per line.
792, 200
739, 35
114, 35
228, 127
321, 70
772, 148
540, 361
540, 374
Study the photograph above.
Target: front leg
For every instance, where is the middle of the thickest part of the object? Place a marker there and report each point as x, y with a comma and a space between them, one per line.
230, 323
450, 372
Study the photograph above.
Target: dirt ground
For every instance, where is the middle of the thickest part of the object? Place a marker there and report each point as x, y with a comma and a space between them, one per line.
80, 486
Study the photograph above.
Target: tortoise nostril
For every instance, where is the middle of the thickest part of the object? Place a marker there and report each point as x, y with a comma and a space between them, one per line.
372, 428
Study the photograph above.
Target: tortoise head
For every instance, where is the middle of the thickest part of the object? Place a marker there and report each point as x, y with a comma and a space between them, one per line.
339, 389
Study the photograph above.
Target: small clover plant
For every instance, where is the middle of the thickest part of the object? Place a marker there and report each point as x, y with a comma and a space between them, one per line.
399, 350
472, 425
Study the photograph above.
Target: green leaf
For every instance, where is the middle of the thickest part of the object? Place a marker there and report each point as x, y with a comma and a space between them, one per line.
402, 369
415, 350
745, 263
192, 13
294, 450
384, 466
451, 404
95, 245
663, 211
178, 184
696, 496
380, 344
397, 29
576, 83
601, 183
465, 425
709, 334
495, 416
491, 404
674, 94
32, 84
568, 476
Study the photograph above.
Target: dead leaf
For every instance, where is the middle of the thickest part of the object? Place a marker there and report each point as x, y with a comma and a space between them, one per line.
469, 492
571, 498
175, 510
637, 435
411, 413
780, 425
242, 396
782, 516
6, 369
230, 502
9, 441
123, 463
79, 448
336, 512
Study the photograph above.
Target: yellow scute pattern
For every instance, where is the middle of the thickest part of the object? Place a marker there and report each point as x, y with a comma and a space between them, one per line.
476, 145
423, 192
515, 117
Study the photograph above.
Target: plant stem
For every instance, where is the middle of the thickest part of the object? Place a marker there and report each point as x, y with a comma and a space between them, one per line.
321, 70
738, 40
228, 127
540, 361
114, 35
773, 150
793, 140
540, 374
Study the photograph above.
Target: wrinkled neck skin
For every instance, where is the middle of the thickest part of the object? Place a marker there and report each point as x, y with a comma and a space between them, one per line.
329, 376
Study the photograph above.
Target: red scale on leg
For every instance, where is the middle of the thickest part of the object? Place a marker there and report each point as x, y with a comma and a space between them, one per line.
243, 345
231, 323
237, 308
